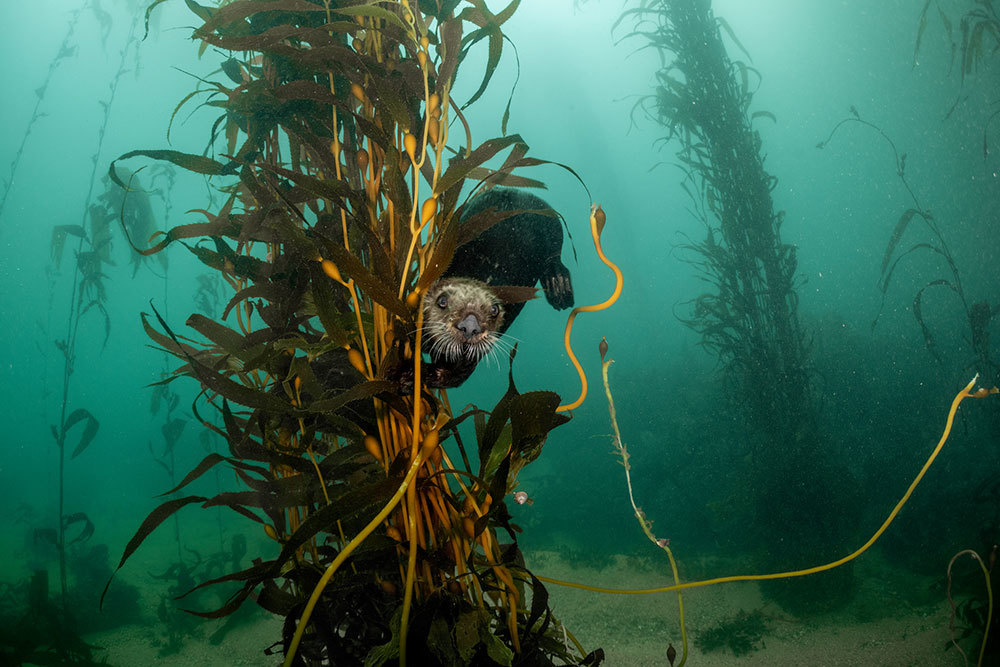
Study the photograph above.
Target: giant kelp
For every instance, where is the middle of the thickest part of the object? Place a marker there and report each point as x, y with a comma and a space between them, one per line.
979, 25
67, 50
748, 317
343, 204
748, 314
77, 427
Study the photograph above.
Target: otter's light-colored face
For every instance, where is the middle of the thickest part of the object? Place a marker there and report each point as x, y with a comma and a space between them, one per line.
461, 318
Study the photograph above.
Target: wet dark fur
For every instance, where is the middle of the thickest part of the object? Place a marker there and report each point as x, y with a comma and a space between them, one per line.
520, 250
523, 249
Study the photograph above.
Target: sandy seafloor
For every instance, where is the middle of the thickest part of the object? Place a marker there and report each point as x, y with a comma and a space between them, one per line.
884, 625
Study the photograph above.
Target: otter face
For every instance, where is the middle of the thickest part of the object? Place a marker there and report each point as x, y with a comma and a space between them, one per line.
461, 318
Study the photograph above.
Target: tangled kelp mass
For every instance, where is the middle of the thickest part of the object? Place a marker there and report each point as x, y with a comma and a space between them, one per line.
278, 195
339, 133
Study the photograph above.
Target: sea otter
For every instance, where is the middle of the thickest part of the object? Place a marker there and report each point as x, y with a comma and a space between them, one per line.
477, 298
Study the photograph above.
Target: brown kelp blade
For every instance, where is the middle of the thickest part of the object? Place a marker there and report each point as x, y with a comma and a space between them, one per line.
204, 466
89, 430
919, 315
224, 386
154, 519
196, 163
489, 29
897, 234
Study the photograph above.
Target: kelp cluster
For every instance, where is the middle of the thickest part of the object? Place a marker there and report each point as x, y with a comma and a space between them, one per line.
748, 315
979, 26
343, 202
978, 314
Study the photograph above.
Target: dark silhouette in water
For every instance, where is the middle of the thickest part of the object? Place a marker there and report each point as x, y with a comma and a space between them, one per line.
748, 316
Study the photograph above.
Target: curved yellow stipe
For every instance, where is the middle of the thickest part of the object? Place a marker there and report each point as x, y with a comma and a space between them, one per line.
963, 394
342, 556
989, 587
597, 219
417, 452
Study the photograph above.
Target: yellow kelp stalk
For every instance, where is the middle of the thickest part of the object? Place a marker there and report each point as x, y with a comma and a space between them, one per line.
421, 518
664, 544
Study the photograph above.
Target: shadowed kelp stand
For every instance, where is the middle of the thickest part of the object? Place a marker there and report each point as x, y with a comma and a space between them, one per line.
748, 316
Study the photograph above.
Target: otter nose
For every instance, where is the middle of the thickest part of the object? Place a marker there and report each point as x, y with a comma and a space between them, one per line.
469, 326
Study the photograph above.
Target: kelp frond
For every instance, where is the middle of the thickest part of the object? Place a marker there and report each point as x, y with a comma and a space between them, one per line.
344, 194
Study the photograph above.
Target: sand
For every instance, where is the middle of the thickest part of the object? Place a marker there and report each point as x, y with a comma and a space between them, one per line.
881, 627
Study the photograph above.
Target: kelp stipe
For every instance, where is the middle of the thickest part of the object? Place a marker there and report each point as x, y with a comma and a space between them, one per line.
964, 393
66, 50
987, 619
346, 209
597, 221
644, 523
88, 294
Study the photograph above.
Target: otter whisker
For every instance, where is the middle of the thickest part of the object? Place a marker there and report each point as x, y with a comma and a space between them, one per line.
500, 345
503, 342
452, 350
493, 356
444, 346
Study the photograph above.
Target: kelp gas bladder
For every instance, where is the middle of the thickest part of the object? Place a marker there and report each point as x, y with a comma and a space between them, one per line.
343, 205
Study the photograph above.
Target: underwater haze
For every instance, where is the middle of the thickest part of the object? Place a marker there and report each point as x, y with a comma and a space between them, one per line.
875, 127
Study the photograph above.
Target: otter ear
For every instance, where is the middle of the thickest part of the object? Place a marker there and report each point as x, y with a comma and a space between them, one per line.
513, 293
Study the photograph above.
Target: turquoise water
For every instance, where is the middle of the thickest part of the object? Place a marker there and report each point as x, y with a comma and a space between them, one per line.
82, 89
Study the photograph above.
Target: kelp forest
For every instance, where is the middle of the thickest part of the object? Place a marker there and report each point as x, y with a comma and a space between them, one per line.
269, 403
749, 319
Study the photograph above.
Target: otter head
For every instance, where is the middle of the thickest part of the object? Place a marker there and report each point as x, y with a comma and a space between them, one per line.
461, 319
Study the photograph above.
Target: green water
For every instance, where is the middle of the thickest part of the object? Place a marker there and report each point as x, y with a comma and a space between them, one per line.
881, 395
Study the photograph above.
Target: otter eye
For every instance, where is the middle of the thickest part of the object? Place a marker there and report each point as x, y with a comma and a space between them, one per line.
495, 310
442, 301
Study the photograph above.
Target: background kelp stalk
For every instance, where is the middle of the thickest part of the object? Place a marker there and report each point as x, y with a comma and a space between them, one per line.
336, 121
748, 317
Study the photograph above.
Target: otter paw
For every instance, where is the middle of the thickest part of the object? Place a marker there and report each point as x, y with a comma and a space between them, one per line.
558, 288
